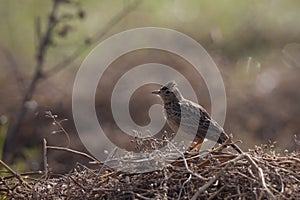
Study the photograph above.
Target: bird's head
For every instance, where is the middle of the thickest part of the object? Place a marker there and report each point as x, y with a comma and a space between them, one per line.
169, 92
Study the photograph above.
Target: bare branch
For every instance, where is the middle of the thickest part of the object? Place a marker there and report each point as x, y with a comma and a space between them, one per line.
98, 36
261, 175
73, 151
42, 50
43, 44
215, 177
59, 125
15, 174
46, 166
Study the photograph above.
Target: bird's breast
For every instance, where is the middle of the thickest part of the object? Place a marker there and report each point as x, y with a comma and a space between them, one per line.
173, 115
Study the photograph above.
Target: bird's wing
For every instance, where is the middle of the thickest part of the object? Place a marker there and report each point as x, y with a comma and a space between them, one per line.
195, 117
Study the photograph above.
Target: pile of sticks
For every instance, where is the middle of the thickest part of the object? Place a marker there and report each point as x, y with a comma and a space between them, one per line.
258, 174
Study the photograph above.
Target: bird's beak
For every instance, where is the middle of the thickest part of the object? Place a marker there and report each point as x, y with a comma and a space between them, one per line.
156, 92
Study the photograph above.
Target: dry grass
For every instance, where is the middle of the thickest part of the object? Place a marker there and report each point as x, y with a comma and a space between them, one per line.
257, 174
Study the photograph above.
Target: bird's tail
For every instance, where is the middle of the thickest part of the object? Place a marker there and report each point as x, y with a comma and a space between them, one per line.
235, 147
223, 137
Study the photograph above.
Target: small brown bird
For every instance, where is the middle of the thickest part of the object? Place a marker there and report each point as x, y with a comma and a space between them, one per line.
190, 117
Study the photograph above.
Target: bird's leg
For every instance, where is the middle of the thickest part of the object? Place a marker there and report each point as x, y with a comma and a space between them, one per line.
196, 146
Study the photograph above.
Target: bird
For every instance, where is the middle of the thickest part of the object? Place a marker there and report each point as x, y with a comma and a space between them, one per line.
190, 117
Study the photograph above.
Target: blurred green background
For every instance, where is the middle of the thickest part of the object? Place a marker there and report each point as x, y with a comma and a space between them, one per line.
255, 44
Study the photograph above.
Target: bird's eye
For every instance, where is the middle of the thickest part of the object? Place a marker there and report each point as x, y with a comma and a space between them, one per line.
164, 88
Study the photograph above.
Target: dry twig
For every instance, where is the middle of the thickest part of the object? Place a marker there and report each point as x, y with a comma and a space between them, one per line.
73, 151
15, 174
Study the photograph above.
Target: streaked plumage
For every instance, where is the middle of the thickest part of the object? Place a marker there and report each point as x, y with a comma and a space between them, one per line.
192, 116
